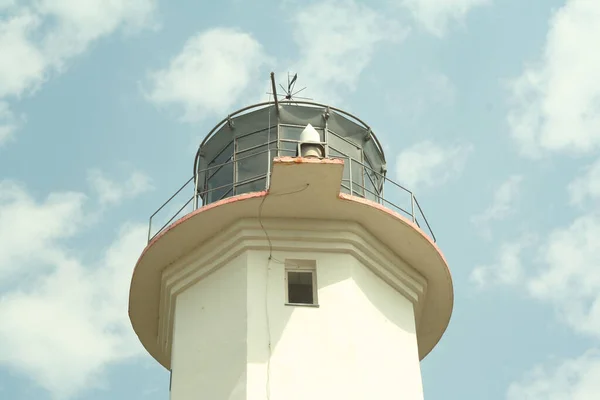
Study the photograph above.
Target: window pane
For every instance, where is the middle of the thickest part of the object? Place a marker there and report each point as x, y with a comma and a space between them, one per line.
255, 139
300, 287
223, 156
252, 166
376, 180
344, 147
287, 153
374, 155
220, 183
357, 179
254, 186
345, 187
293, 132
370, 192
292, 146
257, 150
333, 153
290, 132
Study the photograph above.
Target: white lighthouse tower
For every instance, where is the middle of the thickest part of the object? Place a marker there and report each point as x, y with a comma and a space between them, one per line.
293, 277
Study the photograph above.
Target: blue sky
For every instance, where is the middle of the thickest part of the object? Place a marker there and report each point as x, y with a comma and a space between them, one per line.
488, 109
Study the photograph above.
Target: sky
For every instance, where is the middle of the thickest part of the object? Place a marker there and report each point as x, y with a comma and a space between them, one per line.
489, 110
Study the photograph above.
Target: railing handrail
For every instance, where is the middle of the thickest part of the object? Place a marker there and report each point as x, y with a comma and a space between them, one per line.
352, 188
163, 205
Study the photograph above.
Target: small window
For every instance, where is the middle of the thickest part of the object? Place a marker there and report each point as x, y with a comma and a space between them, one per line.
300, 276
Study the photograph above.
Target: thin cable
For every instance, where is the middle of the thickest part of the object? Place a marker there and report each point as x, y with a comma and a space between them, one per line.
268, 383
260, 209
268, 321
268, 389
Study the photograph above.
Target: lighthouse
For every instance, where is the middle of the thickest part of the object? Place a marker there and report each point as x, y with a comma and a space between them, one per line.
298, 269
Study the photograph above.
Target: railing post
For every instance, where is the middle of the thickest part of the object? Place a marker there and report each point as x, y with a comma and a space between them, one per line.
195, 191
269, 160
412, 206
350, 175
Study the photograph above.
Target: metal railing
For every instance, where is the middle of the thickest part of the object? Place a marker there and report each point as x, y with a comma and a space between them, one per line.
412, 209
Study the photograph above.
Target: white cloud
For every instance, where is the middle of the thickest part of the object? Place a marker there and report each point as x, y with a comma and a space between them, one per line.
556, 101
8, 123
435, 15
39, 39
427, 94
217, 67
111, 192
66, 328
64, 319
586, 186
6, 3
29, 231
574, 379
212, 71
508, 269
569, 278
563, 271
80, 22
336, 41
502, 204
441, 89
427, 164
23, 64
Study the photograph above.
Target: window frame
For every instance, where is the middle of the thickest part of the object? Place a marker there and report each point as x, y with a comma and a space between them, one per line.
306, 266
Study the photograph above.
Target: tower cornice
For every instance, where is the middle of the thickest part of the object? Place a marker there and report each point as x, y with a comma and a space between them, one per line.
306, 191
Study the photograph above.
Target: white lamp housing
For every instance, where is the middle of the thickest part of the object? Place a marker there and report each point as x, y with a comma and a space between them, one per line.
310, 143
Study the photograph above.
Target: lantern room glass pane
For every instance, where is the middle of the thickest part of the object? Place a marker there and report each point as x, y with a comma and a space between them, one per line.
357, 179
287, 153
285, 145
220, 158
345, 187
344, 147
252, 163
370, 189
220, 183
254, 186
223, 156
293, 132
256, 139
333, 153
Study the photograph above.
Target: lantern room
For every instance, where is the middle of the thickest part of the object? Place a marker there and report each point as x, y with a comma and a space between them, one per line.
236, 156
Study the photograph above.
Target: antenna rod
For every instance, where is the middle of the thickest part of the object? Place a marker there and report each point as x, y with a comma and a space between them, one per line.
275, 92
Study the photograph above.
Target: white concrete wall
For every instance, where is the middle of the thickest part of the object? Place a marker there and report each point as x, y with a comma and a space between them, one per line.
209, 337
360, 343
